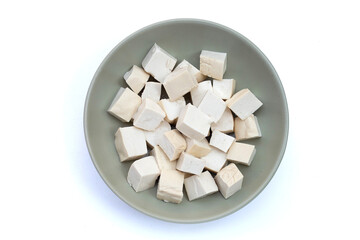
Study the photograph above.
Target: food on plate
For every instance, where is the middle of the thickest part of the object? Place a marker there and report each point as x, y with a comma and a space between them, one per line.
182, 141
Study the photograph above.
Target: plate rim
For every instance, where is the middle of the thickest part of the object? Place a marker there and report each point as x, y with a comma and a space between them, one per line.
286, 118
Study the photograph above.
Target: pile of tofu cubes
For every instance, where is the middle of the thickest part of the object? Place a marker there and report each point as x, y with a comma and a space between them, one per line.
170, 139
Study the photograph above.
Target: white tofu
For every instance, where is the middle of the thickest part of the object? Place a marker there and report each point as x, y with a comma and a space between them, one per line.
193, 123
221, 140
241, 153
198, 93
225, 124
162, 160
199, 186
172, 109
125, 104
136, 78
229, 180
170, 187
158, 63
197, 148
152, 90
143, 174
214, 160
213, 106
224, 88
130, 143
153, 137
149, 115
178, 83
193, 70
247, 129
213, 64
190, 164
244, 103
173, 144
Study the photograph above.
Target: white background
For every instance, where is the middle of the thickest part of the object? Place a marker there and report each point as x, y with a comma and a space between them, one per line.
49, 52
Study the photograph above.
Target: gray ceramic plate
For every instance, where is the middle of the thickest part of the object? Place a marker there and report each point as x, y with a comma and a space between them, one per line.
184, 39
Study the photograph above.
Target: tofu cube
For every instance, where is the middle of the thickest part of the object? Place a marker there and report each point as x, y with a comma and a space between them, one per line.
130, 143
198, 93
143, 174
244, 103
213, 64
221, 140
153, 137
162, 160
225, 124
149, 115
213, 106
199, 186
125, 104
193, 123
215, 160
178, 83
241, 153
152, 90
158, 63
197, 148
229, 180
172, 109
170, 187
173, 144
193, 70
136, 78
247, 129
224, 88
190, 164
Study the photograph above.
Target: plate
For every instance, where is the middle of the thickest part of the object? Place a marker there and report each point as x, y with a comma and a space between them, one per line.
184, 39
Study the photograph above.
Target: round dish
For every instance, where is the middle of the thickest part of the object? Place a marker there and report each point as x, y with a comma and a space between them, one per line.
184, 39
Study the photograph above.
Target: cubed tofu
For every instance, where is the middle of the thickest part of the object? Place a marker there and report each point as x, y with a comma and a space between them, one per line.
193, 123
241, 153
197, 148
130, 143
173, 144
247, 129
172, 109
179, 82
198, 93
152, 90
158, 63
199, 186
136, 78
221, 140
244, 103
224, 88
190, 164
149, 115
162, 160
125, 104
225, 124
193, 70
215, 160
170, 187
213, 64
229, 180
213, 106
143, 174
153, 137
